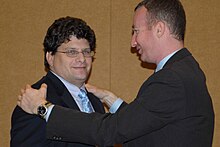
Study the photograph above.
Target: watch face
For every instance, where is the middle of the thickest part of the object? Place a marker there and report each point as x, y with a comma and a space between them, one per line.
41, 110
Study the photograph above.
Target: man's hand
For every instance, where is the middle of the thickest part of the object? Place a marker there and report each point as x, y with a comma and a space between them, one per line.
104, 95
30, 98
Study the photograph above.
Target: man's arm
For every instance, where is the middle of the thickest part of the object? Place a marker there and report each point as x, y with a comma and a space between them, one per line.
26, 129
30, 99
150, 111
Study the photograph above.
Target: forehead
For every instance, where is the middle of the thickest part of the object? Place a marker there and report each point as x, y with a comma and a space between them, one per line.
139, 19
76, 43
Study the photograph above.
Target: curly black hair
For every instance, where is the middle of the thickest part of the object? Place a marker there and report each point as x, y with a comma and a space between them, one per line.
61, 31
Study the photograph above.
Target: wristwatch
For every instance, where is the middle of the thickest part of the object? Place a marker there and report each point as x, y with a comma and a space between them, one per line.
43, 109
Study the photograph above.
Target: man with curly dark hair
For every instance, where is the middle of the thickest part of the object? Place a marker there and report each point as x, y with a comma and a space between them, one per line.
69, 47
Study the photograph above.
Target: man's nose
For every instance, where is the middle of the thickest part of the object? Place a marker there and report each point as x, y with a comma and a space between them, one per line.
80, 57
133, 41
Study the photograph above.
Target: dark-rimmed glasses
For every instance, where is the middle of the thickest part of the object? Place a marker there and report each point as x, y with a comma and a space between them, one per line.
74, 53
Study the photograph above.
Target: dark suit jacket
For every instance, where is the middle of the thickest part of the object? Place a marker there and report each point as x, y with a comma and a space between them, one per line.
173, 108
30, 130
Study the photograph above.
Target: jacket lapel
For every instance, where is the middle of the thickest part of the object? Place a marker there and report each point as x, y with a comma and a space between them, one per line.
96, 103
65, 98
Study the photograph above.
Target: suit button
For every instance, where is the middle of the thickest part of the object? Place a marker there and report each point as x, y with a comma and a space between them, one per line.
55, 137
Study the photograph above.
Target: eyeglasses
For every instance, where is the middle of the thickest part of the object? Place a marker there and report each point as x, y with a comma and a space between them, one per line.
74, 53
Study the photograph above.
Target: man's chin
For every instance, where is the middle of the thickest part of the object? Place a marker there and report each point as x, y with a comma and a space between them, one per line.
81, 78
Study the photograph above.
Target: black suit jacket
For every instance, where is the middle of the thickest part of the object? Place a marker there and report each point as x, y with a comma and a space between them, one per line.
30, 130
173, 108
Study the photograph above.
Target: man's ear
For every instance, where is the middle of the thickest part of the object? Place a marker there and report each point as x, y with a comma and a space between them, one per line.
50, 58
160, 29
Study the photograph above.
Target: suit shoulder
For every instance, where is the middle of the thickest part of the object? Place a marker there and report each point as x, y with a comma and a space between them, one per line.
38, 83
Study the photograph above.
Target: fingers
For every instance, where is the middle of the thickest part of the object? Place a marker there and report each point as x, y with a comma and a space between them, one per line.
19, 103
22, 91
100, 93
19, 97
19, 100
90, 88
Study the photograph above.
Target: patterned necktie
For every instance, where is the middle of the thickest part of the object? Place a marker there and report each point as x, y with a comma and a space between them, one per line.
85, 102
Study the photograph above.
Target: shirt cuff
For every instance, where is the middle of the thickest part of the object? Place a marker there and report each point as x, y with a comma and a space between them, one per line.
115, 105
49, 109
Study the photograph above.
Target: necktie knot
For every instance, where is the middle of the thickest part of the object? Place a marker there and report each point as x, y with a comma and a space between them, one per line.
82, 93
86, 105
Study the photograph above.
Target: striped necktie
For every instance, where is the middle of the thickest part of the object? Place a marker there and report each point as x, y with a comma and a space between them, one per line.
87, 107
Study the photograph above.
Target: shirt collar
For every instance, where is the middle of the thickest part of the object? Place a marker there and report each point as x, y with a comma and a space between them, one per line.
71, 87
164, 60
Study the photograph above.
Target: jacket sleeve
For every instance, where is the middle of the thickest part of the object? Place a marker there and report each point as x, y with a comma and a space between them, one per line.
150, 111
26, 129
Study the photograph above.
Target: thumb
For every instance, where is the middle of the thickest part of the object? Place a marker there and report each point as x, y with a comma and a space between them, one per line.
90, 88
43, 89
44, 86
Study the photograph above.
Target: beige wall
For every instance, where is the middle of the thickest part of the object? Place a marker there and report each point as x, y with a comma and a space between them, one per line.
23, 24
